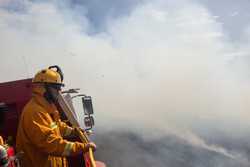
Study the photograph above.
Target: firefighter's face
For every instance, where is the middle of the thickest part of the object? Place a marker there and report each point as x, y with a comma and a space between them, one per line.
55, 90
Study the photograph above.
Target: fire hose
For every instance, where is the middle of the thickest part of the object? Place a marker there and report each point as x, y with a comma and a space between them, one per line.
84, 138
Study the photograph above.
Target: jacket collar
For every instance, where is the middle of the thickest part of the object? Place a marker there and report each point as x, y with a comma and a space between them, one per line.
50, 108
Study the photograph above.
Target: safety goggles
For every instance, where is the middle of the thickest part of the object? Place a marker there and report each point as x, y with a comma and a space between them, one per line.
58, 87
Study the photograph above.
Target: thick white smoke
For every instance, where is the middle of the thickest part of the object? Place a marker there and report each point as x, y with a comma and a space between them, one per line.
165, 67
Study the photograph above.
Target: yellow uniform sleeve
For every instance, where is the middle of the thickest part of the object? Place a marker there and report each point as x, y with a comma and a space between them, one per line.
65, 129
45, 137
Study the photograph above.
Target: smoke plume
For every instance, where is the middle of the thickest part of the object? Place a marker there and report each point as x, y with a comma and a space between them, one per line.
169, 87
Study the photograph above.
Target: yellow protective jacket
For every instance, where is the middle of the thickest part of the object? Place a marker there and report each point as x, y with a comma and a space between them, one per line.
40, 136
1, 141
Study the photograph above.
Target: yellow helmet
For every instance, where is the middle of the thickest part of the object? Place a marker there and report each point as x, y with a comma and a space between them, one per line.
49, 76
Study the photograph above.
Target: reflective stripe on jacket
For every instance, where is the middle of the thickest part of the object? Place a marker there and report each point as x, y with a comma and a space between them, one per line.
40, 134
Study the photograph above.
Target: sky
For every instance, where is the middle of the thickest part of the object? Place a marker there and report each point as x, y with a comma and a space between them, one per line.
158, 70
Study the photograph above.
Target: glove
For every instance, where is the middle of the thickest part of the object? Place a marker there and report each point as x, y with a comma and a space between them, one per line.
75, 133
90, 145
81, 147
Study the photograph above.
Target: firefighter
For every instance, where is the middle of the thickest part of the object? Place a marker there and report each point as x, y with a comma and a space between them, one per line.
4, 162
1, 141
2, 117
40, 131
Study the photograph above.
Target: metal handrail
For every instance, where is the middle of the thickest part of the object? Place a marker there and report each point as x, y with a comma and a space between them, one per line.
79, 95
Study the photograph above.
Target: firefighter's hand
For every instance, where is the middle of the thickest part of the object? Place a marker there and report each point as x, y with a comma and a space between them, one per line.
91, 145
74, 132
